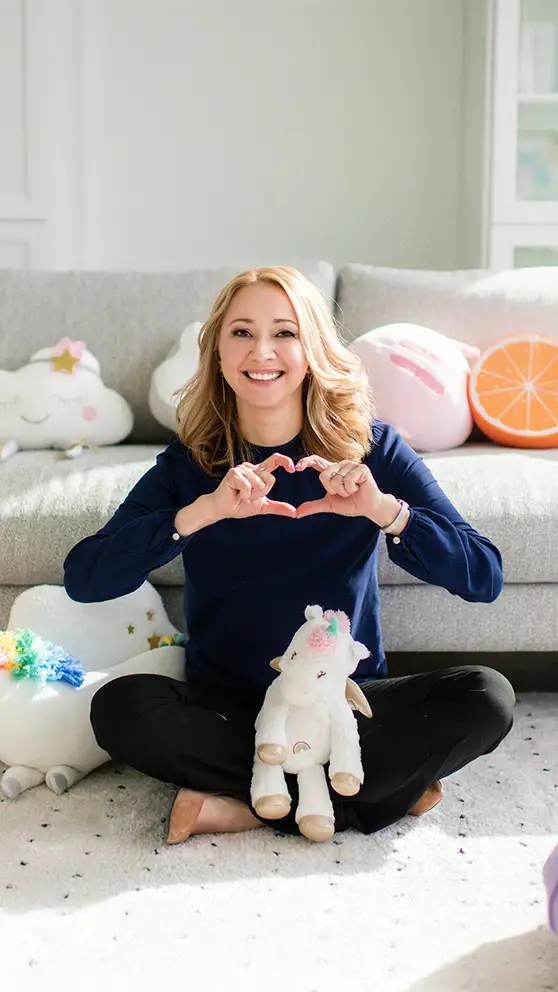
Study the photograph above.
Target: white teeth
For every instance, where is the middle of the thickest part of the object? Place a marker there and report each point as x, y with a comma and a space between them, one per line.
264, 376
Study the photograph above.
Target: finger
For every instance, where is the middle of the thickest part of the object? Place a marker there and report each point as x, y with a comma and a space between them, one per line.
313, 461
268, 480
332, 480
276, 461
314, 506
340, 479
239, 483
354, 479
257, 483
277, 508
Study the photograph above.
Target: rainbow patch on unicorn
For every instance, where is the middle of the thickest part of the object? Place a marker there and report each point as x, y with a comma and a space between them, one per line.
26, 655
301, 746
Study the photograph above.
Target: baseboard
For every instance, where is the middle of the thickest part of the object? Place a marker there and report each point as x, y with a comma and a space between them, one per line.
528, 671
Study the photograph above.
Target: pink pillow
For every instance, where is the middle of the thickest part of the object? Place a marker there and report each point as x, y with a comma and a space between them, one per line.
419, 380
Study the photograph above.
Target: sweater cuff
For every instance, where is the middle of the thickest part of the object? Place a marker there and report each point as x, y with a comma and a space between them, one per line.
164, 537
403, 546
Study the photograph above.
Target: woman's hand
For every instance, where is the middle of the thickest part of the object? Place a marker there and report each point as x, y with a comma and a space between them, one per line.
351, 491
243, 491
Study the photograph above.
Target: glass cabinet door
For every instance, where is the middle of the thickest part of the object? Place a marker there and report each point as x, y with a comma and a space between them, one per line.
537, 103
524, 257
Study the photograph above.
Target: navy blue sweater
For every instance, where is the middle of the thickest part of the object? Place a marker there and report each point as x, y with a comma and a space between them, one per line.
248, 581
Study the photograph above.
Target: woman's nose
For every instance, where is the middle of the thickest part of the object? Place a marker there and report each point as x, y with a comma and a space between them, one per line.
263, 348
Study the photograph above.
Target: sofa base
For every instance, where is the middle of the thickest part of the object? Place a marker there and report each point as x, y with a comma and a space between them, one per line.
425, 627
528, 671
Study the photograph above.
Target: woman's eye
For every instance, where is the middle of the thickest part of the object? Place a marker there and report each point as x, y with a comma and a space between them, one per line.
240, 332
290, 334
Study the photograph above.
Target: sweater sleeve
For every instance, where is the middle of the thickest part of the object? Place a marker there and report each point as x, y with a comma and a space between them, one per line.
139, 537
437, 545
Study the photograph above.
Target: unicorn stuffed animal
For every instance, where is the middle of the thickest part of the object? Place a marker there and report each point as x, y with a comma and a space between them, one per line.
306, 720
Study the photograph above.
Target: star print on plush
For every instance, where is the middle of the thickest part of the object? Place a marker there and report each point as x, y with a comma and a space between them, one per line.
150, 614
153, 641
64, 362
131, 628
66, 354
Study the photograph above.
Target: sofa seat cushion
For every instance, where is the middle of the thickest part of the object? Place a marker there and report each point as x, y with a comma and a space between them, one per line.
48, 504
509, 495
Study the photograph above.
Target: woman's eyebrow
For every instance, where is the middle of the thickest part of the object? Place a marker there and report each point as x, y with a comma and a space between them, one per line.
277, 320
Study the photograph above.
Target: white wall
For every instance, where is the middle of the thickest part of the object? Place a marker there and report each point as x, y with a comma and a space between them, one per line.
236, 131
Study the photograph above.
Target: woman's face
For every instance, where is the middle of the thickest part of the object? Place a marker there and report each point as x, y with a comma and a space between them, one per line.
261, 355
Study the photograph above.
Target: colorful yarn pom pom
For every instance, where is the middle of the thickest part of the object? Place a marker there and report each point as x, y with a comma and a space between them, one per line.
27, 656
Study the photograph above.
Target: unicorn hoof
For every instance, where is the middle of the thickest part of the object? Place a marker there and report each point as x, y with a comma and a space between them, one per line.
11, 787
57, 782
345, 784
19, 778
318, 828
272, 807
272, 754
61, 777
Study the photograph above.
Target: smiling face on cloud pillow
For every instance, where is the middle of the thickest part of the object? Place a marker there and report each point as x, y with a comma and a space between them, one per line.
174, 373
59, 399
419, 381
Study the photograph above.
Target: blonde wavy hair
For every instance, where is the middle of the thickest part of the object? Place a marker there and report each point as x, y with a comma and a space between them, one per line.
338, 406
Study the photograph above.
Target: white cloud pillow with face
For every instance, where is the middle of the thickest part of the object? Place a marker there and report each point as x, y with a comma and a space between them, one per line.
59, 400
172, 374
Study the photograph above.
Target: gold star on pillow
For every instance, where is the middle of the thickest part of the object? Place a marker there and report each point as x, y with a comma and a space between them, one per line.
131, 628
150, 614
153, 641
65, 362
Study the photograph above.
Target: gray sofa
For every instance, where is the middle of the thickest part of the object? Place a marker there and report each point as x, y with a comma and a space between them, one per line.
130, 321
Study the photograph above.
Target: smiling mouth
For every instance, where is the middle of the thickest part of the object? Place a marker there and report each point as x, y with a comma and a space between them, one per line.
263, 376
28, 421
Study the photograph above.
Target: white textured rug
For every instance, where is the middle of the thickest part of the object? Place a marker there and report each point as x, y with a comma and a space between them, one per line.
91, 899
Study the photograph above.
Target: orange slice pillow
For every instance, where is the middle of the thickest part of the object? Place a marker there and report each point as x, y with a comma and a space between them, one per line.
513, 392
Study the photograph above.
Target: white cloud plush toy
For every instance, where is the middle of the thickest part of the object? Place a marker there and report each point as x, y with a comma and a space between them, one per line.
172, 374
58, 400
45, 730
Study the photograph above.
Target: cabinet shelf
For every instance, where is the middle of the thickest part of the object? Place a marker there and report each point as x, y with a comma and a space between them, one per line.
538, 98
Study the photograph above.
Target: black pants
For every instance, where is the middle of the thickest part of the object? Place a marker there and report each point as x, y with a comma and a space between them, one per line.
424, 728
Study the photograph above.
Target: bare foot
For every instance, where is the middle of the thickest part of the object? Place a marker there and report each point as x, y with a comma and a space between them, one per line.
199, 813
428, 800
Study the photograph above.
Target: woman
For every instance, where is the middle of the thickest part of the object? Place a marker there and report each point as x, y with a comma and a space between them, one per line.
276, 492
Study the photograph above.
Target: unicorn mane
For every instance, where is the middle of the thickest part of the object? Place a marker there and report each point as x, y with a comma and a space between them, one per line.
26, 655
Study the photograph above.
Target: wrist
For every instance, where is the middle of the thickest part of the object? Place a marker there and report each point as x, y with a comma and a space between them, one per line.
387, 511
390, 511
195, 516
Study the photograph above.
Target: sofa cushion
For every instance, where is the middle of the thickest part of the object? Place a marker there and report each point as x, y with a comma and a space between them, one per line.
479, 307
47, 504
129, 321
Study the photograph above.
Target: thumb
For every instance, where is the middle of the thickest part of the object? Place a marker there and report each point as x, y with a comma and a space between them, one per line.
278, 509
313, 506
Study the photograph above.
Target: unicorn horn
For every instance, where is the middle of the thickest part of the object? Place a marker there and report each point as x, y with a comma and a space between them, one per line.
333, 626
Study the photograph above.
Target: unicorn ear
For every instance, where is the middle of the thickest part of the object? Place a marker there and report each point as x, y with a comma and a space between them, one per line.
359, 650
313, 613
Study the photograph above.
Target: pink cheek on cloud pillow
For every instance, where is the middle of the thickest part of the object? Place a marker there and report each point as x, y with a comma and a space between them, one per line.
419, 381
90, 413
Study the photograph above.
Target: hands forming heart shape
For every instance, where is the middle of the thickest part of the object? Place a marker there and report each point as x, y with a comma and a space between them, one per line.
350, 490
